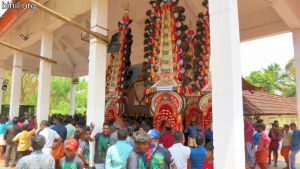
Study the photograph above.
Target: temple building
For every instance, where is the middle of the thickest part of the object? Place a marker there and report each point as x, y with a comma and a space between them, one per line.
176, 42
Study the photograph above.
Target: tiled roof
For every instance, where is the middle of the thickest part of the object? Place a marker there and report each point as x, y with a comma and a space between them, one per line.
262, 103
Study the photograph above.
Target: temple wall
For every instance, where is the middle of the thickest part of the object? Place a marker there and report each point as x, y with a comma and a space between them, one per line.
283, 119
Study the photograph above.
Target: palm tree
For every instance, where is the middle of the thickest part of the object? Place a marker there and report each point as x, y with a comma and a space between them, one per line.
289, 89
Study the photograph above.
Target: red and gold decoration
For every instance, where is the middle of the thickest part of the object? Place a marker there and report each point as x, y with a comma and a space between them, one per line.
176, 60
193, 112
167, 106
205, 105
202, 48
119, 72
111, 111
176, 57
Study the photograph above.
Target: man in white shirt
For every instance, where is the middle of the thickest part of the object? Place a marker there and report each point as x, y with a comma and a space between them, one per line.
179, 152
50, 136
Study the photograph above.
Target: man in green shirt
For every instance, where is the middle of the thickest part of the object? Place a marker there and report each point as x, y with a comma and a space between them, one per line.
70, 128
102, 144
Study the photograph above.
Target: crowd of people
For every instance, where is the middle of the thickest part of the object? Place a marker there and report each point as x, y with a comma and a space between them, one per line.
261, 146
65, 142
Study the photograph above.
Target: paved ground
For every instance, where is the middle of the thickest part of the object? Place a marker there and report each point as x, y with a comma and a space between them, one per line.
281, 164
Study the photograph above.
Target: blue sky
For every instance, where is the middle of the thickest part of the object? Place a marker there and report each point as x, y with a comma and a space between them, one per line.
259, 53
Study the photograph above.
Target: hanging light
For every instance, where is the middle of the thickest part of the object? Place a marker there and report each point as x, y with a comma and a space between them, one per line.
4, 85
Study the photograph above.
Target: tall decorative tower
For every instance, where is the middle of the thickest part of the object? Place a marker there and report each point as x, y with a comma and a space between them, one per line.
176, 60
119, 71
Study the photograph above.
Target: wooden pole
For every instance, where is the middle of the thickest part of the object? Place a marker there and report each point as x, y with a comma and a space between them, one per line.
67, 20
28, 53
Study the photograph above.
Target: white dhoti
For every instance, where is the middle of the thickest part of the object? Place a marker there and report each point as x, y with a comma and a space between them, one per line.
2, 141
47, 150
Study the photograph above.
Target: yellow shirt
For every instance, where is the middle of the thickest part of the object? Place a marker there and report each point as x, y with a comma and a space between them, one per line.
24, 139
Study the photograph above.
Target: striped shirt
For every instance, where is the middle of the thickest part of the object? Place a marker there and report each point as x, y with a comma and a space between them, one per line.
36, 160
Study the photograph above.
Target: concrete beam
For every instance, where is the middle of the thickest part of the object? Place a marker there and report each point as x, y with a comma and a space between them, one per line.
66, 58
289, 11
70, 48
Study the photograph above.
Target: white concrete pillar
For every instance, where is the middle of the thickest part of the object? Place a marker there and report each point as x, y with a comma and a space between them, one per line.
16, 85
1, 83
226, 85
43, 102
73, 97
97, 69
296, 39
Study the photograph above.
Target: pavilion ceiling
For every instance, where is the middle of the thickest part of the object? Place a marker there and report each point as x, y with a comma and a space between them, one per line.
257, 19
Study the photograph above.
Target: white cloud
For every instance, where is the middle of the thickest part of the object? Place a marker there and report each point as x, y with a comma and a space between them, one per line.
260, 53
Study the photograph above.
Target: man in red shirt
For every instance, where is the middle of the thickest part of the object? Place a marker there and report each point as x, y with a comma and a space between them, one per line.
166, 137
261, 155
248, 133
274, 135
209, 162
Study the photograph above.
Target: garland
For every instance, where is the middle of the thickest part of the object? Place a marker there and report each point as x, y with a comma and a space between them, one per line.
191, 50
119, 71
202, 46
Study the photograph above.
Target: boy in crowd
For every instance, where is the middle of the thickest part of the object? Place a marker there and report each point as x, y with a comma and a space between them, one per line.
11, 148
158, 156
248, 133
255, 138
114, 136
101, 146
274, 135
209, 162
84, 148
295, 146
37, 159
71, 161
166, 137
261, 155
50, 136
4, 123
137, 158
179, 152
23, 140
58, 145
198, 154
192, 130
286, 144
118, 153
70, 128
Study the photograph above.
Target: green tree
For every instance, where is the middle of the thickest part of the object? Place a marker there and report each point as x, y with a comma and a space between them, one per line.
29, 84
269, 77
81, 96
275, 79
289, 87
59, 95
